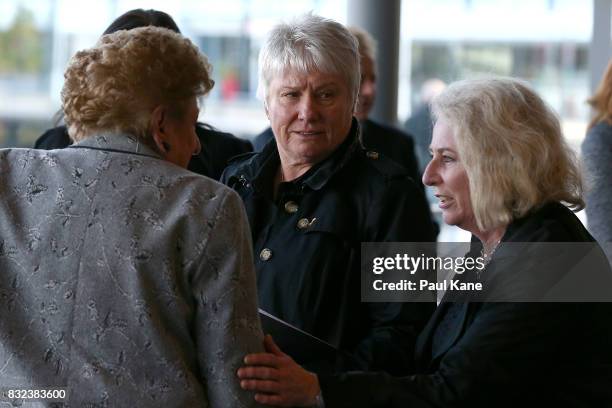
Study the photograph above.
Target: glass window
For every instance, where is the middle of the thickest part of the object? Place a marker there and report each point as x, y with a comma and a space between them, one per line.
38, 37
542, 41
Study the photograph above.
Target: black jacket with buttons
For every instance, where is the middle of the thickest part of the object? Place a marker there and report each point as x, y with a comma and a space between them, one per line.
307, 247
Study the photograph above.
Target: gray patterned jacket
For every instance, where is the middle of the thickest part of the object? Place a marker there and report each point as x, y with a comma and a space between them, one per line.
123, 278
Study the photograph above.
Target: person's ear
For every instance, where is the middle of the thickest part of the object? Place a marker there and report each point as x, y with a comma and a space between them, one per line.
158, 123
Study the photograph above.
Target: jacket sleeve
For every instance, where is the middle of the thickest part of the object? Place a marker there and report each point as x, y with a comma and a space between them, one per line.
493, 358
597, 158
401, 214
227, 325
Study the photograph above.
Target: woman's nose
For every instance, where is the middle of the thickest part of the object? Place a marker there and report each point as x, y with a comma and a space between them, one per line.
368, 88
307, 108
430, 175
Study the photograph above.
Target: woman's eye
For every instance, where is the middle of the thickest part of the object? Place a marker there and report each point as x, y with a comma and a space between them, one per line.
326, 95
447, 159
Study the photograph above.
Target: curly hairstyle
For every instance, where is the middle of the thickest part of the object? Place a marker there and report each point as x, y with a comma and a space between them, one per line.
511, 145
115, 86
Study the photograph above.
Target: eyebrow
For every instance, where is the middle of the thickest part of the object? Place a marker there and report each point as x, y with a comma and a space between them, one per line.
442, 150
299, 86
326, 84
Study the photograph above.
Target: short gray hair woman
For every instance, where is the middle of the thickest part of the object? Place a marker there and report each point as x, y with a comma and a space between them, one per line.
314, 194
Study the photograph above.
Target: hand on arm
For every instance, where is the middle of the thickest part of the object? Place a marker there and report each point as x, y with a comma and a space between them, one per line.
277, 379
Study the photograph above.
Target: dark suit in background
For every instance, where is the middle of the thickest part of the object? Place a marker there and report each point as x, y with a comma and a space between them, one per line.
420, 126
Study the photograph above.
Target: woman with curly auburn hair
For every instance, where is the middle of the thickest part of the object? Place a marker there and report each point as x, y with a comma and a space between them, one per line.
131, 278
597, 159
538, 331
122, 86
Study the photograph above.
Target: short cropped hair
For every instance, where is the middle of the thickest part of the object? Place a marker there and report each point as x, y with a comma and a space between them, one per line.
308, 44
365, 42
116, 85
512, 147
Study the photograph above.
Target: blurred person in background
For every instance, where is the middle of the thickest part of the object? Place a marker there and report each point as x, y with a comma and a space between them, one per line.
387, 140
126, 279
314, 195
217, 147
502, 171
597, 160
420, 123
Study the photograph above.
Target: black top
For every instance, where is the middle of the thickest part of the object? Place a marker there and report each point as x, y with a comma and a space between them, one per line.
217, 148
504, 354
307, 246
387, 140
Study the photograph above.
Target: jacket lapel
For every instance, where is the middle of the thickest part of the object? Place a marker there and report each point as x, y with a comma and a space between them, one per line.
453, 327
425, 353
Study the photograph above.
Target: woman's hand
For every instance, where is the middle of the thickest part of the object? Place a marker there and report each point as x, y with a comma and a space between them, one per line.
277, 379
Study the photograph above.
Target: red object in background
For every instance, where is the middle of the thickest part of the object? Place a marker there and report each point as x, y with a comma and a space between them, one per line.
230, 86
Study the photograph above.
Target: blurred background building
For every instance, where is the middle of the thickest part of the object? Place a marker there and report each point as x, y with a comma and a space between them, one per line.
560, 46
543, 41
